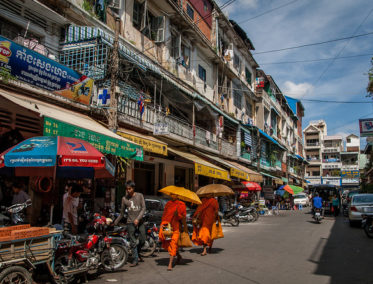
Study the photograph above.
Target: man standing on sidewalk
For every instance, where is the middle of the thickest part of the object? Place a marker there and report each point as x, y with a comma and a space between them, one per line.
135, 203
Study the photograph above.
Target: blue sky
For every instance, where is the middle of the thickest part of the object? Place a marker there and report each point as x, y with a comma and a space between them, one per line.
310, 21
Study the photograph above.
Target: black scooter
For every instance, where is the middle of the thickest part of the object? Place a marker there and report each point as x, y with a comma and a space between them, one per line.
231, 216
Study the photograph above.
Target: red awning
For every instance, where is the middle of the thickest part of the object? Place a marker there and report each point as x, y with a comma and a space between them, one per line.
252, 186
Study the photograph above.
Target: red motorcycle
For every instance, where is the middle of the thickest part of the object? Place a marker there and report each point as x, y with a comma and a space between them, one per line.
79, 254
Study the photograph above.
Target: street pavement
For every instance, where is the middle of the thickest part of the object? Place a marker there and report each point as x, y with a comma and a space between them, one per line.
289, 248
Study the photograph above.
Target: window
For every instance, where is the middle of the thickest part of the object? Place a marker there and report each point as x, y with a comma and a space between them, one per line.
248, 75
175, 46
205, 7
348, 140
190, 12
138, 11
249, 109
236, 63
185, 53
151, 26
237, 99
202, 73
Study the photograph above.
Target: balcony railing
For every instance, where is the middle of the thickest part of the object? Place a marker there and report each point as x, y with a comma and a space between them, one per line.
312, 144
181, 129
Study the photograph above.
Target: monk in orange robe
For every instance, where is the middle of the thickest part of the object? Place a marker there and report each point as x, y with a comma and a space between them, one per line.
174, 213
207, 214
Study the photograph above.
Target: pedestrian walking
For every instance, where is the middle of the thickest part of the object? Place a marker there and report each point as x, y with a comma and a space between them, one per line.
335, 204
174, 213
205, 216
135, 204
70, 208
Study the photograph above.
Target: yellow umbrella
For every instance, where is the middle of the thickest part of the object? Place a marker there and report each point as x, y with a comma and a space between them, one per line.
181, 193
215, 190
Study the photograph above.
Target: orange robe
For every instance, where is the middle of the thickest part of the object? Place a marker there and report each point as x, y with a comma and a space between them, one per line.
207, 212
170, 217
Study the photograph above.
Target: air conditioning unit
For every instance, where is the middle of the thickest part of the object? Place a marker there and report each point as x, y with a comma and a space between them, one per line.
115, 4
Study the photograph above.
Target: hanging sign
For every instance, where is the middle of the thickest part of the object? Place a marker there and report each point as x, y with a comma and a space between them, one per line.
35, 69
366, 127
161, 129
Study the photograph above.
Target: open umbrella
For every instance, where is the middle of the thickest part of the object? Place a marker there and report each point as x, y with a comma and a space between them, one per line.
252, 186
39, 155
182, 193
293, 189
215, 190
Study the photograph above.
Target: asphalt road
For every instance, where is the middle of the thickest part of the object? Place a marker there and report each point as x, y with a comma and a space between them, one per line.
289, 248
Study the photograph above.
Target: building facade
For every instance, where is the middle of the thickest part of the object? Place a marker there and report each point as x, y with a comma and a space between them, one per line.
187, 89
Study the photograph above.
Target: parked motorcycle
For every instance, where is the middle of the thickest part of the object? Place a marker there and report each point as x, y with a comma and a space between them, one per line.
367, 224
14, 215
231, 216
247, 214
80, 254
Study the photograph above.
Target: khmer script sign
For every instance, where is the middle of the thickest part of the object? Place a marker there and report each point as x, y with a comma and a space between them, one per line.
35, 69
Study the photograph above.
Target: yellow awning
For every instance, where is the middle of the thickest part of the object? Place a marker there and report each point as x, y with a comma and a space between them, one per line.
149, 143
201, 166
279, 181
253, 175
234, 170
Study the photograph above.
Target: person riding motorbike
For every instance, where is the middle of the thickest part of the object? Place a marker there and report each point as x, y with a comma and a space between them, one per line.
317, 203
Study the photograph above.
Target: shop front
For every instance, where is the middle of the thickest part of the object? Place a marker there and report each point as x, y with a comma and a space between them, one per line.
36, 118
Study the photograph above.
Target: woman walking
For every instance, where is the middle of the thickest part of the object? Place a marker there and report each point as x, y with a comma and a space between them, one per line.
335, 204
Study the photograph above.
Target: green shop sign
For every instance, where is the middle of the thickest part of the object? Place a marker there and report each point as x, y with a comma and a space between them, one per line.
101, 142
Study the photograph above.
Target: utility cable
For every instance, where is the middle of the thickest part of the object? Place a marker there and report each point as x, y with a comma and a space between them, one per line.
313, 44
342, 49
316, 60
269, 11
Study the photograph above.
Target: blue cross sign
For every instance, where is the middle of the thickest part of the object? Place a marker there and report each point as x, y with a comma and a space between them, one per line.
104, 96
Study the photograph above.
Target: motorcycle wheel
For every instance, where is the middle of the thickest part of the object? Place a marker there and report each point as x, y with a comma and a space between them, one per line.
256, 214
117, 260
368, 231
15, 274
149, 247
234, 221
59, 263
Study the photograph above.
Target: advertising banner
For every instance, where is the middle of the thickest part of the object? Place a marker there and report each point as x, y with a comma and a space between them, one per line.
240, 174
366, 127
350, 174
35, 69
103, 143
148, 145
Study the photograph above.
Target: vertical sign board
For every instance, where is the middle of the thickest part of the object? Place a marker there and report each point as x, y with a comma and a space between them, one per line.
366, 127
35, 69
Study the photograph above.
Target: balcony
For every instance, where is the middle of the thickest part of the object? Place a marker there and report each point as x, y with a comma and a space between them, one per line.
331, 149
350, 167
179, 130
313, 145
246, 155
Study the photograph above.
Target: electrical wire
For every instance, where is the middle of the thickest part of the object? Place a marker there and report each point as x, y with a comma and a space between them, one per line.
316, 60
338, 102
269, 11
313, 44
342, 49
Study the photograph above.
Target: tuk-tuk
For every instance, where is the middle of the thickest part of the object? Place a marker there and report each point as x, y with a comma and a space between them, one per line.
326, 192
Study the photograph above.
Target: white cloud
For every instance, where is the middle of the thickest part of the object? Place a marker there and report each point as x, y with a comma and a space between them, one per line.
297, 90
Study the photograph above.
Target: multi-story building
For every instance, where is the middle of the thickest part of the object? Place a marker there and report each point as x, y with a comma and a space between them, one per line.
350, 171
191, 105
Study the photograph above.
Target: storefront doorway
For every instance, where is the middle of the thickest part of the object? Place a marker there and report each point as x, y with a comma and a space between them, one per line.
144, 178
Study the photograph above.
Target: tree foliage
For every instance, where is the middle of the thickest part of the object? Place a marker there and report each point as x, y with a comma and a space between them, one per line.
370, 84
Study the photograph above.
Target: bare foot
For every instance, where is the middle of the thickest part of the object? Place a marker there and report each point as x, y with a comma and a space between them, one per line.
204, 253
169, 268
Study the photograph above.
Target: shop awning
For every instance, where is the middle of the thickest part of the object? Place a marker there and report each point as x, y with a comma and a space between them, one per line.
59, 121
149, 143
277, 180
234, 170
253, 175
202, 167
271, 139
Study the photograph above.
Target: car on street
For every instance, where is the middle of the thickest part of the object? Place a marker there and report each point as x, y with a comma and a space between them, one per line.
360, 204
301, 198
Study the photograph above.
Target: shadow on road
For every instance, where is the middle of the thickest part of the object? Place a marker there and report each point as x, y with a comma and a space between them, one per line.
164, 261
199, 250
345, 256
